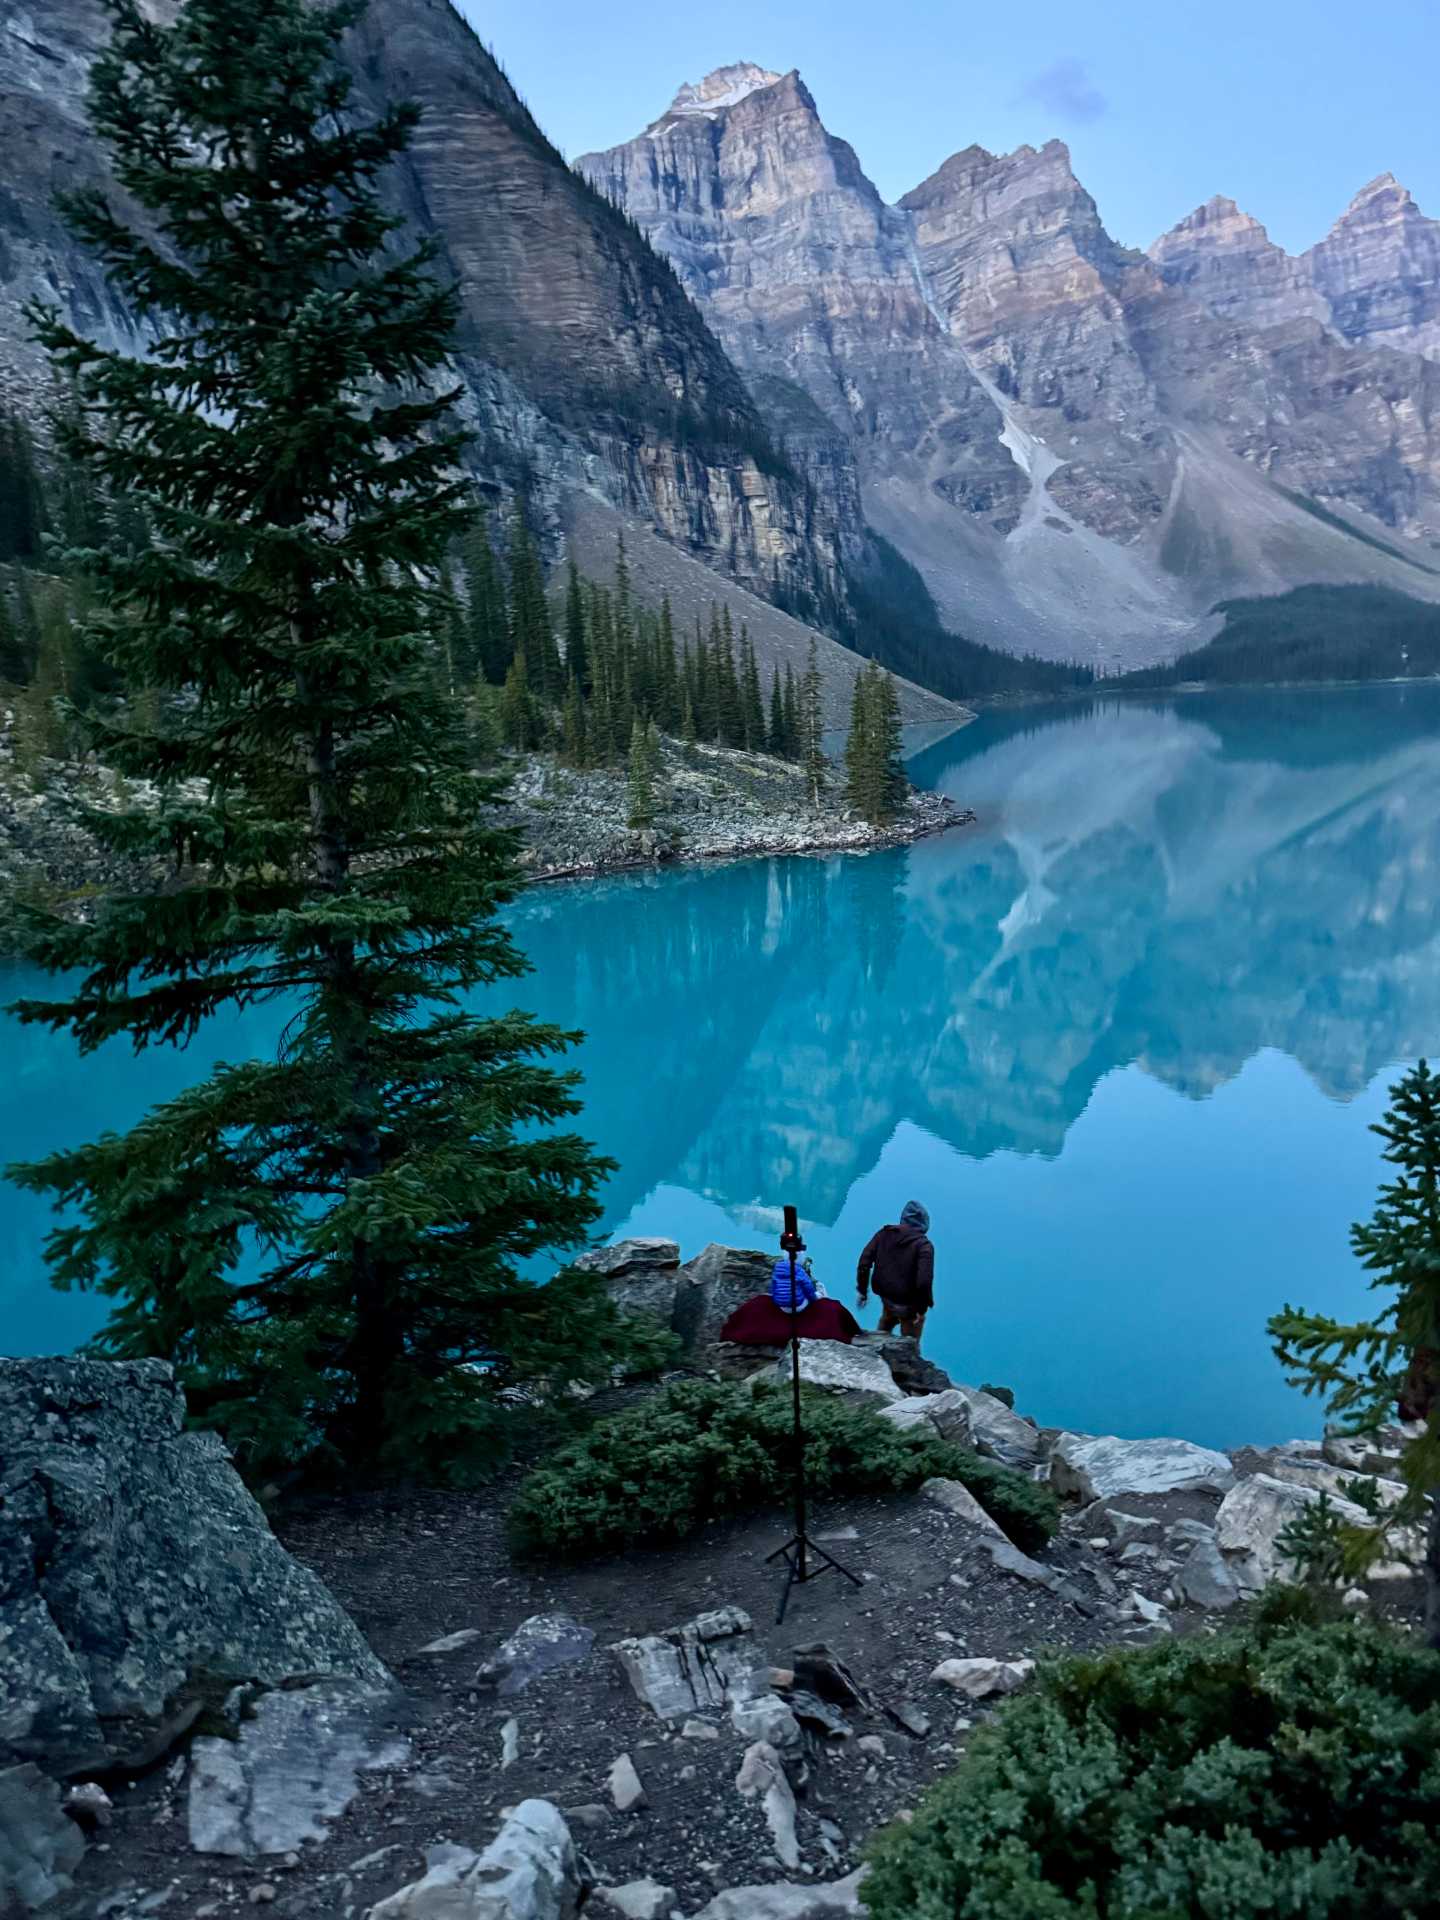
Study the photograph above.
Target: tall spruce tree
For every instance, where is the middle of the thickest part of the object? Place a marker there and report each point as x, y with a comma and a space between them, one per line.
1363, 1369
643, 766
775, 733
889, 746
577, 651
860, 784
488, 649
325, 1243
812, 727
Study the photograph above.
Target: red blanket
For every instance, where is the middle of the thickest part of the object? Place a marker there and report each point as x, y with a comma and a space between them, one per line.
760, 1323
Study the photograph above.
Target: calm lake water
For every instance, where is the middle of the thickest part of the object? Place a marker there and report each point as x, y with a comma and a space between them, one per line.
1125, 1038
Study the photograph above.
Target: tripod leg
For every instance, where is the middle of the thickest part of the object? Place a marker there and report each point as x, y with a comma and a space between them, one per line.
785, 1590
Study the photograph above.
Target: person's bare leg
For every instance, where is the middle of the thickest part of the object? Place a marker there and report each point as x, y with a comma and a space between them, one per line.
889, 1318
913, 1326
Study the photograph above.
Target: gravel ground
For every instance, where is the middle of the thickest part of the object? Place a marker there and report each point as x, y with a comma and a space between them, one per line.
416, 1567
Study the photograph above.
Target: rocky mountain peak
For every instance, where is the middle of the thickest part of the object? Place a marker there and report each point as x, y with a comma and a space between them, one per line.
725, 87
1221, 222
1378, 200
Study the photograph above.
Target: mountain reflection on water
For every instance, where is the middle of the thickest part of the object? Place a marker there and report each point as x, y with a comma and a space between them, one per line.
1125, 1037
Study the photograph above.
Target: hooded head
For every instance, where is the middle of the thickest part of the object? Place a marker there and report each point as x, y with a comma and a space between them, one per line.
914, 1215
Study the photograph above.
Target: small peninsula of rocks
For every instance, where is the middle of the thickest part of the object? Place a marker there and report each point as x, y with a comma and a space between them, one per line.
371, 1711
710, 803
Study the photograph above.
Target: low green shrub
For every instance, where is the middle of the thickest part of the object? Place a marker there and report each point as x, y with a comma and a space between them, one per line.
700, 1450
1286, 1771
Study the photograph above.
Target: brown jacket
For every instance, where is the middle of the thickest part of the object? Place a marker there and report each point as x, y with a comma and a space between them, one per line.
902, 1261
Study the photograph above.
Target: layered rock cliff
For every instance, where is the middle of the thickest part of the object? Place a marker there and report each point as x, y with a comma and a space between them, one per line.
1082, 447
586, 370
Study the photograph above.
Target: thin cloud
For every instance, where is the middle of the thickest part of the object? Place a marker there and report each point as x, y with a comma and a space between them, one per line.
1066, 90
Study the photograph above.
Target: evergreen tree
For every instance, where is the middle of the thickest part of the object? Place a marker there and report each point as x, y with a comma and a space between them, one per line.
573, 744
23, 515
889, 741
667, 686
17, 661
861, 786
812, 727
519, 726
577, 653
643, 767
752, 701
487, 651
531, 632
706, 723
323, 1243
792, 714
775, 737
1363, 1369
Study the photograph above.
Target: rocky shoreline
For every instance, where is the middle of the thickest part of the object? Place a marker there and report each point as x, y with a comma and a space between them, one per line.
376, 1710
711, 803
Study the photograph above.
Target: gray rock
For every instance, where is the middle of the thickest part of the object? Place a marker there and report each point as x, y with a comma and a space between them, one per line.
694, 1667
141, 1581
909, 1368
762, 1777
840, 1900
947, 1413
863, 1378
812, 1711
626, 1790
1327, 1478
453, 1642
528, 1872
39, 1845
981, 1679
1188, 1531
1206, 1579
767, 1717
998, 1433
293, 1769
957, 1499
912, 1719
711, 1286
636, 1900
821, 1671
1252, 1517
1009, 1559
642, 1275
1129, 1527
1102, 1466
543, 1641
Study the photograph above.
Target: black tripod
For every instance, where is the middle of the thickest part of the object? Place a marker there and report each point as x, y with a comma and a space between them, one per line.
800, 1553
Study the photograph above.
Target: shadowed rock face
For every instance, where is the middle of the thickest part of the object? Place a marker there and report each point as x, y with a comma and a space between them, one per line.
583, 362
139, 1581
1080, 446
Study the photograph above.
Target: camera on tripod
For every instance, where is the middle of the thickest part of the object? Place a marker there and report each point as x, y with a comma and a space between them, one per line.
790, 1241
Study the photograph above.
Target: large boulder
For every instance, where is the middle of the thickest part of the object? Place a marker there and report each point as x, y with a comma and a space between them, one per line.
999, 1433
1251, 1519
543, 1641
292, 1769
139, 1581
1102, 1466
711, 1286
529, 1871
641, 1275
863, 1378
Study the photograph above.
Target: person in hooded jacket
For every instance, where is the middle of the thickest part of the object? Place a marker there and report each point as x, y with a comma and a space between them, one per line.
900, 1263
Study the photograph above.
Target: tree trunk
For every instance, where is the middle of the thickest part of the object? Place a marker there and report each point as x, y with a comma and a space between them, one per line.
1432, 1574
378, 1338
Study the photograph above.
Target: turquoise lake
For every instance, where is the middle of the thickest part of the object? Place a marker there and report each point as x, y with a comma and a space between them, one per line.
1125, 1038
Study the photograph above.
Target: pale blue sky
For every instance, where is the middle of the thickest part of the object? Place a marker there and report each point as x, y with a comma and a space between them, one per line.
1287, 107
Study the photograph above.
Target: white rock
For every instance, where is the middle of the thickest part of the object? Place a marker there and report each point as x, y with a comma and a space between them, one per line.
1327, 1478
294, 1769
528, 1872
626, 1791
957, 1499
40, 1846
1251, 1519
636, 1900
983, 1679
947, 1413
1355, 1599
1127, 1527
692, 1667
999, 1433
452, 1642
1100, 1466
509, 1744
699, 1730
765, 1717
837, 1901
762, 1776
1139, 1607
836, 1368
